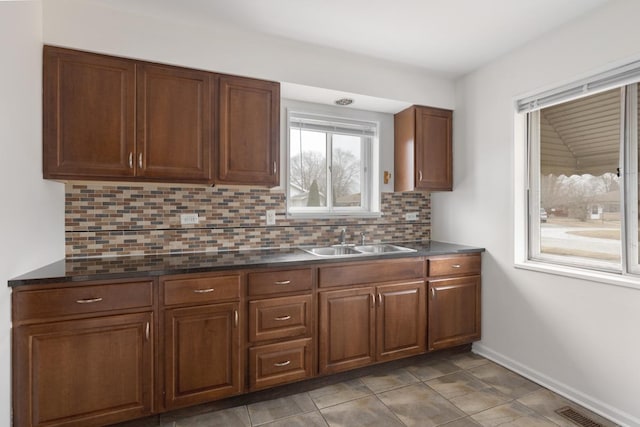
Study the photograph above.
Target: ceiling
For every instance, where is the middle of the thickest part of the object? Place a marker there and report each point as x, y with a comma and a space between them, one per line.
452, 37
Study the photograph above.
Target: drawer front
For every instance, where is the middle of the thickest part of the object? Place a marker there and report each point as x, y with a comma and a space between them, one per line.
371, 272
279, 363
201, 289
454, 265
273, 282
46, 303
277, 318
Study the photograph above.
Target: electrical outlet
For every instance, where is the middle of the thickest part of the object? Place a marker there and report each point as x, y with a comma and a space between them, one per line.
186, 219
271, 217
411, 216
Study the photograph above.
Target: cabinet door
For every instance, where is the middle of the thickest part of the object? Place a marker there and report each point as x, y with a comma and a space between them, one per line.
88, 114
347, 329
249, 143
84, 372
434, 162
174, 123
202, 357
401, 320
454, 312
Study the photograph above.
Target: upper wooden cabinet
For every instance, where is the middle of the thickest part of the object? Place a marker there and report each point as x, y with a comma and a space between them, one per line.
88, 114
423, 149
248, 141
109, 118
174, 129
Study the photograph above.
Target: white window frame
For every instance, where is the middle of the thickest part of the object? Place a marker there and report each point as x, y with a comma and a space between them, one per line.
526, 208
369, 183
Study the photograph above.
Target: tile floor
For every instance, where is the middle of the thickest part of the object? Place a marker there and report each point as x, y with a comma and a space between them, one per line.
456, 390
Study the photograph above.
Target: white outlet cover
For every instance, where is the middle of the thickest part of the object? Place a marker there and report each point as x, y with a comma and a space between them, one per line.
186, 219
411, 216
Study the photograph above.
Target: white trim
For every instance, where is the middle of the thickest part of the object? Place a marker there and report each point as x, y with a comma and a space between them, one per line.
616, 279
599, 407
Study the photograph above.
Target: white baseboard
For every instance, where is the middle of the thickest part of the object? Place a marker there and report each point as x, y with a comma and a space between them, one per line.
595, 405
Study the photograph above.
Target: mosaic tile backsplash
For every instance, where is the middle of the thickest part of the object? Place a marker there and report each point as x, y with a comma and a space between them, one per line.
143, 219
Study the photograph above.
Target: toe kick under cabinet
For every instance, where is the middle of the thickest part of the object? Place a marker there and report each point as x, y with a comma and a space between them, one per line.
105, 351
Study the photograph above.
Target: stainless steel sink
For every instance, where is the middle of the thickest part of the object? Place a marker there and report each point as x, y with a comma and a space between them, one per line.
350, 250
382, 249
337, 250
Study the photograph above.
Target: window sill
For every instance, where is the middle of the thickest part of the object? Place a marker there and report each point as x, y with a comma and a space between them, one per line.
320, 215
615, 279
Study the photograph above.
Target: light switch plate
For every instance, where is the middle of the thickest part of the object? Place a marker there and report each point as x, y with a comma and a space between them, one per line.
271, 217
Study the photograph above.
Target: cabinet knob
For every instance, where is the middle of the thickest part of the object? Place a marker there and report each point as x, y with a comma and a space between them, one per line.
282, 318
88, 300
281, 364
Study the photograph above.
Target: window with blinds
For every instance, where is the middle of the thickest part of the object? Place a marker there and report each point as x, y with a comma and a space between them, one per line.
582, 173
331, 170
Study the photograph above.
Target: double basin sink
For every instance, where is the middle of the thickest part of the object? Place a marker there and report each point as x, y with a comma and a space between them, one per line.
352, 250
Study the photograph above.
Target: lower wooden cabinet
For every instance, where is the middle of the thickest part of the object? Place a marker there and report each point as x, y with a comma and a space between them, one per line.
280, 363
86, 372
454, 312
371, 324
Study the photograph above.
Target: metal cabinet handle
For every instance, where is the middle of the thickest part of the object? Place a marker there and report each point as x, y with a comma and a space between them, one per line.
203, 291
456, 266
282, 282
433, 293
275, 168
281, 364
146, 331
373, 300
419, 175
379, 299
89, 300
131, 160
282, 318
235, 318
140, 160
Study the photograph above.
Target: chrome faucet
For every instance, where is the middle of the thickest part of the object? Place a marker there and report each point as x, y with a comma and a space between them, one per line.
343, 236
363, 236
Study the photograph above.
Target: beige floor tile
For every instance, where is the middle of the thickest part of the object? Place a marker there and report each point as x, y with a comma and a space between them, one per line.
512, 414
339, 393
233, 417
434, 368
365, 412
505, 381
467, 392
462, 422
389, 380
310, 419
545, 402
467, 360
271, 410
418, 405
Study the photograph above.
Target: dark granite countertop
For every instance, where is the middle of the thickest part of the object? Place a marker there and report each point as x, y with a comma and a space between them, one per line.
82, 269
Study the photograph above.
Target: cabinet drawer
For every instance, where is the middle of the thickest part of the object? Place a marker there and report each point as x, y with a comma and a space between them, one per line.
81, 299
279, 363
201, 289
370, 272
454, 265
275, 318
272, 282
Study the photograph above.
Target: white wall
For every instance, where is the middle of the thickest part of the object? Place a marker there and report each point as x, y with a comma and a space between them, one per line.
95, 26
581, 338
32, 214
